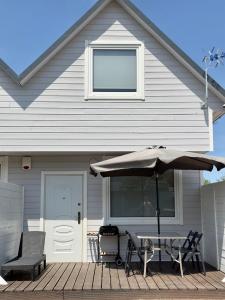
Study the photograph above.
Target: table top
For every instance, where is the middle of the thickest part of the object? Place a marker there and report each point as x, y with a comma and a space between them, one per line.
162, 236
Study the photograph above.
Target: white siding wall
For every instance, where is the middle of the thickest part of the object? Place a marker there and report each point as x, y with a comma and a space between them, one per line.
51, 106
214, 217
11, 220
31, 180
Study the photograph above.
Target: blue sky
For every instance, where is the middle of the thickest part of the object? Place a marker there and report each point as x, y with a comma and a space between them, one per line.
28, 27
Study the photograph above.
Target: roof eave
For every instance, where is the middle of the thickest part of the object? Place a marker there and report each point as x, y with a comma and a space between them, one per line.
6, 68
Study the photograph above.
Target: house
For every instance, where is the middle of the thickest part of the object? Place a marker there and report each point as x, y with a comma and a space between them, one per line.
113, 83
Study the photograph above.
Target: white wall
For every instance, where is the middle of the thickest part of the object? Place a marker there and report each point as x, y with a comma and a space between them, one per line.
31, 180
11, 220
50, 114
213, 212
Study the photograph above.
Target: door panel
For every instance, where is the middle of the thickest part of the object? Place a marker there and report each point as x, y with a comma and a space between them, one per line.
63, 201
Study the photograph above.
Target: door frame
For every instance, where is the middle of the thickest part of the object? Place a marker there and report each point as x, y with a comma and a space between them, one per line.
83, 220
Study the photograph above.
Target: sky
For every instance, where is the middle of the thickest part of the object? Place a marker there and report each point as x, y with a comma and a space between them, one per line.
28, 27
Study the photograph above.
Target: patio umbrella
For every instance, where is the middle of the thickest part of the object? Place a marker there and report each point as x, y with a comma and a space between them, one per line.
155, 161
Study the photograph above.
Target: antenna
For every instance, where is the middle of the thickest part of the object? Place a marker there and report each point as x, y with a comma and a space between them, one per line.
214, 59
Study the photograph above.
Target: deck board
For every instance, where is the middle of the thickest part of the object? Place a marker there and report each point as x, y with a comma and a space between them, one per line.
13, 286
151, 283
132, 281
159, 282
97, 282
47, 278
23, 285
219, 276
195, 282
169, 283
90, 277
61, 283
213, 282
217, 279
115, 283
139, 277
108, 277
204, 282
81, 278
185, 282
4, 287
35, 283
73, 277
124, 284
54, 280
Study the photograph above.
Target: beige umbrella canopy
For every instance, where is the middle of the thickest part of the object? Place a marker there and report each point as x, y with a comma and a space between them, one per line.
150, 161
155, 161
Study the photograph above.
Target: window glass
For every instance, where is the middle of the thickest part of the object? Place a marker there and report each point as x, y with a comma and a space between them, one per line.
114, 70
136, 196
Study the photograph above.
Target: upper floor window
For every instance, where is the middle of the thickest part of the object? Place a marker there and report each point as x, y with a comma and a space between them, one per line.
114, 71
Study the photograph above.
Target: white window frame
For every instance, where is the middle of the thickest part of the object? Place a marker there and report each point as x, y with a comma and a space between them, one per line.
128, 45
178, 219
4, 168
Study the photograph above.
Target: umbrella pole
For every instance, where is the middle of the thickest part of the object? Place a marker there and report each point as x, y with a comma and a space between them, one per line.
158, 213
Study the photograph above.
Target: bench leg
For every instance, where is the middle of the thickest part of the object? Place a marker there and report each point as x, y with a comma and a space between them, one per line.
33, 274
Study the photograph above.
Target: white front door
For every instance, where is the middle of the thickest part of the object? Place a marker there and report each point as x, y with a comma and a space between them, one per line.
63, 202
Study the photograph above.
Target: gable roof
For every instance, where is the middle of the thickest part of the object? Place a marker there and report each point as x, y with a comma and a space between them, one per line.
140, 18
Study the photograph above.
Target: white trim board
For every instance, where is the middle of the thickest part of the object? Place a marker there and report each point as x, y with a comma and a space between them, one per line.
84, 219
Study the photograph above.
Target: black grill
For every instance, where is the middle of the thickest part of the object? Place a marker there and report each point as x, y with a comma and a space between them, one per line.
110, 231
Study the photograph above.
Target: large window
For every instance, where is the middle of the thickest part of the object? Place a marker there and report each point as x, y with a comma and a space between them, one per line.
114, 71
133, 199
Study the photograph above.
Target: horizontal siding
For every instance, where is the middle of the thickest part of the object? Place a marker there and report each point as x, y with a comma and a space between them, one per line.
11, 220
49, 113
31, 180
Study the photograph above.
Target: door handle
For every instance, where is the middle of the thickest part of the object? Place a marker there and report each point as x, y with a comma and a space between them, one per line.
78, 217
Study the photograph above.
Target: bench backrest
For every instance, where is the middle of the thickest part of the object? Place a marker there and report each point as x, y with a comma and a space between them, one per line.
33, 243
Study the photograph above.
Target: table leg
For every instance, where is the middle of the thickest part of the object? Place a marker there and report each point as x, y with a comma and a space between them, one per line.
171, 249
180, 262
145, 262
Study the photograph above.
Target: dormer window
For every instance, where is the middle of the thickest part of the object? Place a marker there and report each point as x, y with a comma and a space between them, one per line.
114, 71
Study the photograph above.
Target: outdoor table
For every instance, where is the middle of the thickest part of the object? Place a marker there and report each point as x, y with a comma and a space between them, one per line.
171, 236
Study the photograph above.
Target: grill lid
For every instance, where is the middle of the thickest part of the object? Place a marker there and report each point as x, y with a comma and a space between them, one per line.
108, 230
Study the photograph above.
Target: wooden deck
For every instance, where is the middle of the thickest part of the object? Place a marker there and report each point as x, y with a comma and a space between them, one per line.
92, 279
